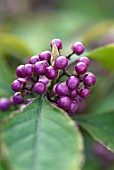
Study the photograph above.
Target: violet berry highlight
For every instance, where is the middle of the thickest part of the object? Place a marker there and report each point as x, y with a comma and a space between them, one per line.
39, 87
78, 48
61, 89
57, 42
46, 55
34, 59
80, 68
61, 62
18, 98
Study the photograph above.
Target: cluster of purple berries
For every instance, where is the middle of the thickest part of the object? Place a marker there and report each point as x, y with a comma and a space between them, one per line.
39, 74
75, 86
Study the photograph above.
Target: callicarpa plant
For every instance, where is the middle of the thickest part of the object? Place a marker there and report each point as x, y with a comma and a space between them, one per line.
40, 124
42, 74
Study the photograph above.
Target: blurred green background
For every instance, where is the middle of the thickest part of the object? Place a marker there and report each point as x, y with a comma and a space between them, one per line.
28, 26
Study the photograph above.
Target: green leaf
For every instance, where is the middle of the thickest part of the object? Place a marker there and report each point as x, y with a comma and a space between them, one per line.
105, 55
101, 127
43, 137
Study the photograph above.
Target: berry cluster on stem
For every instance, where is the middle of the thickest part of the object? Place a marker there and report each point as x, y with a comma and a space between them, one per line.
41, 76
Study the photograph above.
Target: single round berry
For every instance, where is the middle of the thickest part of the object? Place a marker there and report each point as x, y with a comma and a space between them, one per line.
73, 106
20, 71
89, 79
72, 82
28, 70
4, 104
84, 92
78, 48
18, 98
34, 59
73, 93
84, 60
61, 89
46, 55
16, 85
80, 68
39, 87
64, 103
40, 67
51, 72
61, 62
57, 42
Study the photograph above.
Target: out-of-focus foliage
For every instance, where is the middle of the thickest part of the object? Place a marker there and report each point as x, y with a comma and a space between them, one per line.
27, 27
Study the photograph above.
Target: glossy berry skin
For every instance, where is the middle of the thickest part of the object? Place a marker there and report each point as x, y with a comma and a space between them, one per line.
18, 98
73, 93
51, 72
84, 60
34, 59
46, 55
28, 70
78, 48
72, 82
61, 89
40, 67
4, 104
39, 87
57, 42
84, 92
89, 79
80, 68
20, 71
16, 85
64, 103
61, 62
73, 106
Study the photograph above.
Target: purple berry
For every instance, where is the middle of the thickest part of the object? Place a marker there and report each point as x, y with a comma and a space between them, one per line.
72, 82
51, 72
20, 71
4, 104
40, 67
64, 103
46, 55
61, 62
89, 79
73, 93
73, 106
28, 70
44, 79
78, 48
84, 92
84, 60
80, 68
39, 87
18, 98
16, 85
34, 59
57, 42
61, 89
